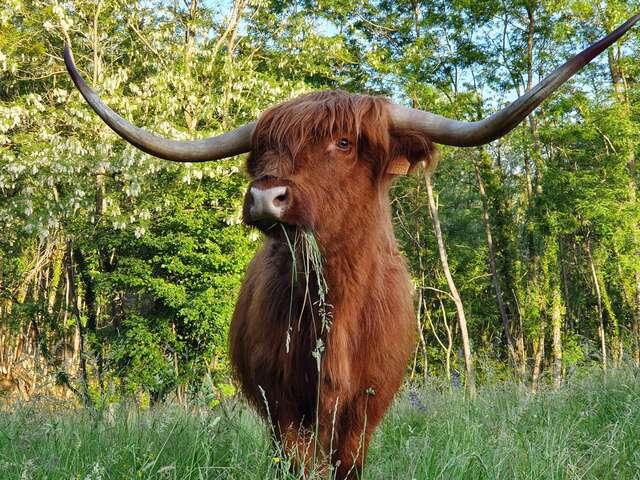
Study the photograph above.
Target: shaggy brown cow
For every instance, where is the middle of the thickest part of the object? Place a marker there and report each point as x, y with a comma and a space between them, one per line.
320, 349
320, 163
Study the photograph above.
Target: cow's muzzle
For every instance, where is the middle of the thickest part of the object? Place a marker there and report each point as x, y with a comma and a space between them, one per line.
267, 203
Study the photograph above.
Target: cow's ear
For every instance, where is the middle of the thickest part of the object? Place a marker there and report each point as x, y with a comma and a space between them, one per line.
408, 149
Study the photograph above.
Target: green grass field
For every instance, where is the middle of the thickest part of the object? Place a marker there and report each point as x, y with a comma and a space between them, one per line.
590, 429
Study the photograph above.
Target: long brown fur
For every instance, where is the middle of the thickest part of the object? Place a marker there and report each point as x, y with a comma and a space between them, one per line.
342, 197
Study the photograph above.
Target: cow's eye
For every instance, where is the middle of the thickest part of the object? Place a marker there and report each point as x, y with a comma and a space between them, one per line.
343, 144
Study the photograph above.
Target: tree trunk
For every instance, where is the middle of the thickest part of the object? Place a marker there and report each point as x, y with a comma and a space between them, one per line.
423, 343
518, 366
190, 35
530, 7
462, 321
601, 332
80, 328
615, 342
636, 325
622, 96
564, 278
616, 74
538, 353
556, 340
91, 301
448, 348
56, 275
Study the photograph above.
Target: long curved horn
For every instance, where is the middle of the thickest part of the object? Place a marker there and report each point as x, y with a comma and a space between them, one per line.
470, 134
225, 145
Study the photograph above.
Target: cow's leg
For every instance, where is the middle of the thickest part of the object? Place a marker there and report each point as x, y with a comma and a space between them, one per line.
358, 422
330, 409
298, 443
353, 439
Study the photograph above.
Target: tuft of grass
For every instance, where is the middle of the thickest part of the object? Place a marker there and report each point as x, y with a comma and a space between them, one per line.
589, 429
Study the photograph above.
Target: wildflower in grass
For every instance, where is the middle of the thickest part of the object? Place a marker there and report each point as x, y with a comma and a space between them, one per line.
97, 472
167, 470
455, 378
414, 399
276, 459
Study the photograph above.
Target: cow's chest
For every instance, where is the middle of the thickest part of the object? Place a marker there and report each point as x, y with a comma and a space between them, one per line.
296, 339
290, 336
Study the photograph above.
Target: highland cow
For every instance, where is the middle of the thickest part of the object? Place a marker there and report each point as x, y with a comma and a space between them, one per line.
324, 163
320, 346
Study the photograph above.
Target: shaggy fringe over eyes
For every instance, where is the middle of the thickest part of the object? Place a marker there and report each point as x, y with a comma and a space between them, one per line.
288, 126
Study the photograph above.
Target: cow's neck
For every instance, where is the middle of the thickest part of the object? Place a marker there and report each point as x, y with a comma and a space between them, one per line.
352, 264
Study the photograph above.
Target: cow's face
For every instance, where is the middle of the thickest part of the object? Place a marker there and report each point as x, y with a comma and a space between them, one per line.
321, 162
317, 189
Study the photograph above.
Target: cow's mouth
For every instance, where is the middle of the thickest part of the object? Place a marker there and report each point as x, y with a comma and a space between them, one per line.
275, 209
274, 228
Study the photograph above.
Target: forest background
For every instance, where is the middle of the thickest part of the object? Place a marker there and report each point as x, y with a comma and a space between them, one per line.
119, 271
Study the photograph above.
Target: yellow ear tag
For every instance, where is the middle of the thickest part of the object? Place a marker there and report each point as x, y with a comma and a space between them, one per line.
399, 166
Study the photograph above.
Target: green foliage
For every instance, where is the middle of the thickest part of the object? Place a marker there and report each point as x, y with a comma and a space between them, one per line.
142, 259
151, 255
178, 281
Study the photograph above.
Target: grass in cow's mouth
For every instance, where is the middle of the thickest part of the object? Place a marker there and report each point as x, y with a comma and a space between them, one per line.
315, 266
588, 429
307, 261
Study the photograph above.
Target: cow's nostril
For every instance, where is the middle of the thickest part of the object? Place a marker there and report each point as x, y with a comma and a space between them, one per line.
281, 199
